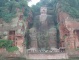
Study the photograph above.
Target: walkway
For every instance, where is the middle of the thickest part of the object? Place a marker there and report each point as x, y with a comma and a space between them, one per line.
48, 56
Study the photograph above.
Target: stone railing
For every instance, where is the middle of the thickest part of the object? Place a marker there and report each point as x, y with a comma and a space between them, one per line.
52, 50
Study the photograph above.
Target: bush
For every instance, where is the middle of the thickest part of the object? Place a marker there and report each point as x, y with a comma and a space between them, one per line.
12, 49
7, 44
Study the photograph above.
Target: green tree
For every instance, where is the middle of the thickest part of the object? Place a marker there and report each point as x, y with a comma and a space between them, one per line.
8, 45
8, 8
70, 6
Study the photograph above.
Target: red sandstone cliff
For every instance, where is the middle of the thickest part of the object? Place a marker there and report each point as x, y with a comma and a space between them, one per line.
68, 28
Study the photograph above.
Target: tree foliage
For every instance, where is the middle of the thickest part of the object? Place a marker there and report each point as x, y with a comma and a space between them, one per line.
8, 8
8, 44
12, 49
71, 7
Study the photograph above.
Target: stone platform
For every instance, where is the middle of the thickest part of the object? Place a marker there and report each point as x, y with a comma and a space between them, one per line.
47, 56
54, 53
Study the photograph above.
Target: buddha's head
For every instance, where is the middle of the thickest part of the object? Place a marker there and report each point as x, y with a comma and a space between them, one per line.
43, 10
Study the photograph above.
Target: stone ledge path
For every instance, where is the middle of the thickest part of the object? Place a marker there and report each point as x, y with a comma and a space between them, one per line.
48, 56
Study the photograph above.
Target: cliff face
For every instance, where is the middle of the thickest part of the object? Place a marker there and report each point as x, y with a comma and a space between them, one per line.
14, 30
44, 33
69, 31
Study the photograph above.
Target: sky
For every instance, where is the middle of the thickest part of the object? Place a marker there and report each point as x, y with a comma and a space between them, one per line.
33, 2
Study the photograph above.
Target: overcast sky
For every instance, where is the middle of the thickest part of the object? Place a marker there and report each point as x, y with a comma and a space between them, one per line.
33, 2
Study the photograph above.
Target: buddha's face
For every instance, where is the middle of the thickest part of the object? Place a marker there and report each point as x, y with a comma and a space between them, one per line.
43, 10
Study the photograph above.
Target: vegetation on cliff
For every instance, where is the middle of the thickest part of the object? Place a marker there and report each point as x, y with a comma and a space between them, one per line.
70, 6
8, 45
8, 8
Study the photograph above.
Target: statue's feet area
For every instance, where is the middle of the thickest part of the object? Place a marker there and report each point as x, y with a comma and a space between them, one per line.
51, 51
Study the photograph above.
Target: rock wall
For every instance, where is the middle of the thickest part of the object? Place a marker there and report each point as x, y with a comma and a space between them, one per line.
68, 28
33, 36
